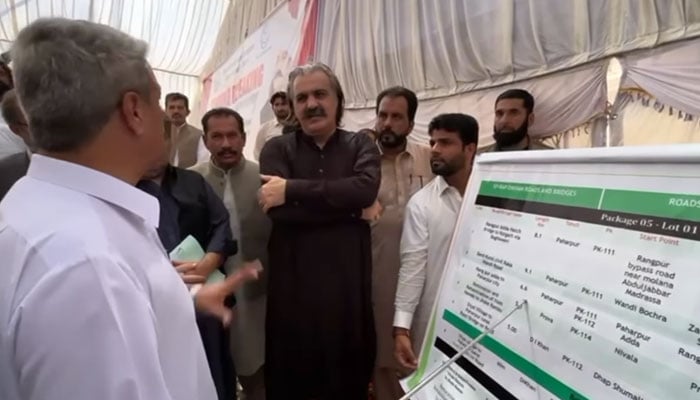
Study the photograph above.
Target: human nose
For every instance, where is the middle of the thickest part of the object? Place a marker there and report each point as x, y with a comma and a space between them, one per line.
226, 142
312, 102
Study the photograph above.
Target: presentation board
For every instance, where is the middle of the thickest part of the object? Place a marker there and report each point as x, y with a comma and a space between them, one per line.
604, 244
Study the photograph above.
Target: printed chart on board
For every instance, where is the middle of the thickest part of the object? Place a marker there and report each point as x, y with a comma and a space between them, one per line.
607, 255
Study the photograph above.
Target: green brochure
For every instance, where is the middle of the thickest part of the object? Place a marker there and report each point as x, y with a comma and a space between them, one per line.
190, 250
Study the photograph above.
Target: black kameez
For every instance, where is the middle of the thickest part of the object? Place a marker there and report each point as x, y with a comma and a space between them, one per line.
320, 339
189, 206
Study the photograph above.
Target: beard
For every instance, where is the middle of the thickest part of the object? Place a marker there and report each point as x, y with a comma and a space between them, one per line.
390, 139
443, 167
281, 115
507, 139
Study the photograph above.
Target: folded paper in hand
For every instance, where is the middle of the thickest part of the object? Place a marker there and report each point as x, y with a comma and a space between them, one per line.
189, 250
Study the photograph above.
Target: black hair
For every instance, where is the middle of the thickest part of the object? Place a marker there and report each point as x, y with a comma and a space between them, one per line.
175, 96
400, 91
278, 95
465, 125
221, 112
524, 95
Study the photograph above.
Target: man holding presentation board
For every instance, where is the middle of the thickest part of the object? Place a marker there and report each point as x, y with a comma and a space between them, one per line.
428, 225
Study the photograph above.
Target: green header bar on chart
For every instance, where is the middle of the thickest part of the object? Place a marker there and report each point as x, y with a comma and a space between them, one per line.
654, 204
561, 195
684, 207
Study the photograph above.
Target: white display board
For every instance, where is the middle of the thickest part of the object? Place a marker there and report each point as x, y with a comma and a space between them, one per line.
604, 244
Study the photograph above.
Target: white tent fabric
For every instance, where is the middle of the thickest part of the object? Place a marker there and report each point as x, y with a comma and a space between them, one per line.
643, 120
579, 137
242, 19
447, 47
659, 99
181, 33
562, 101
670, 73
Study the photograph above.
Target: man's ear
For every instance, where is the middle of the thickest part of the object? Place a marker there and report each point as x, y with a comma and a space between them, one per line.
471, 151
132, 112
410, 126
530, 119
206, 141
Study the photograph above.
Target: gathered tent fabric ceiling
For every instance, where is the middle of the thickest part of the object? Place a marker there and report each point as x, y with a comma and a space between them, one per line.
448, 47
180, 33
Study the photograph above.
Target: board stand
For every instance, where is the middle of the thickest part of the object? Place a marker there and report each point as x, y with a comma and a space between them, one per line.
461, 353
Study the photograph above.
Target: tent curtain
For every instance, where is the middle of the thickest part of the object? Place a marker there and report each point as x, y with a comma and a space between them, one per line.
562, 101
180, 33
670, 73
642, 119
449, 47
582, 136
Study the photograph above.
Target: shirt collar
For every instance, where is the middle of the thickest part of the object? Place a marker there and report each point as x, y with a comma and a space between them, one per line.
302, 136
442, 185
96, 184
411, 149
220, 171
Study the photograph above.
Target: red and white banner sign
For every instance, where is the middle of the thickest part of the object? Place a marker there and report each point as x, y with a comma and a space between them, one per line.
261, 65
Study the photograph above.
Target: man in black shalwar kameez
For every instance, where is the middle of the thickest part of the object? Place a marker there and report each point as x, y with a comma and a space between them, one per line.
320, 340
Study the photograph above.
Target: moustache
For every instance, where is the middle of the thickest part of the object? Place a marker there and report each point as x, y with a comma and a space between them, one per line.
314, 112
226, 152
390, 139
387, 132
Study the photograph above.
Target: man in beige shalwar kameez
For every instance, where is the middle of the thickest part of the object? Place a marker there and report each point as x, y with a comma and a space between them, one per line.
405, 170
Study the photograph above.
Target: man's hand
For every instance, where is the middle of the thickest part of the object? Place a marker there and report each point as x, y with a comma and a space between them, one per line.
272, 193
250, 271
187, 272
403, 351
373, 212
210, 297
208, 264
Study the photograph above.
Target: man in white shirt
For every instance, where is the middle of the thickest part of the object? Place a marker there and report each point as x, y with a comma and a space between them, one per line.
428, 226
272, 128
90, 306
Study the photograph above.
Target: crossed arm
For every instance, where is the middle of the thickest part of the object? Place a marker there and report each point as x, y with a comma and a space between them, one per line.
327, 200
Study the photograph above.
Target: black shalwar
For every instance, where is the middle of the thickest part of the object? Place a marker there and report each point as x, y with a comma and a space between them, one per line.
320, 339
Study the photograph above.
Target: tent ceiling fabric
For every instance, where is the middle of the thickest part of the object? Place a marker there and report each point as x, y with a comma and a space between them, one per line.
180, 33
242, 18
448, 47
670, 73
